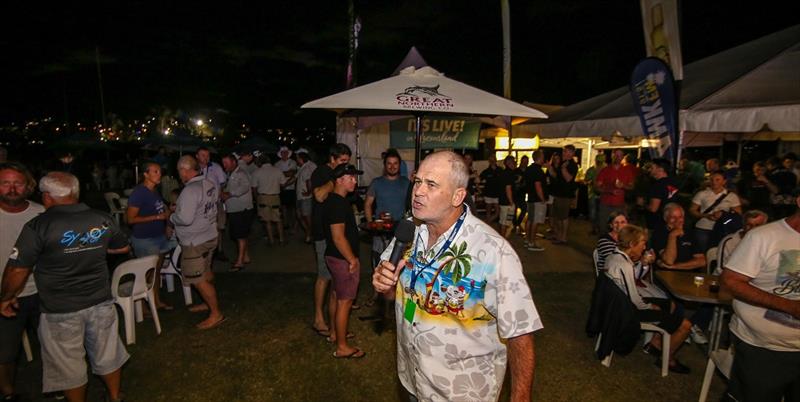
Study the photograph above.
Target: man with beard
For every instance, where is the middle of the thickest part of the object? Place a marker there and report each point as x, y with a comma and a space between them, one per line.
16, 185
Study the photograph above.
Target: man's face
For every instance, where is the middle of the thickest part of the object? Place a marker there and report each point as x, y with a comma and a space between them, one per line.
675, 219
567, 154
153, 174
712, 165
616, 156
754, 222
759, 170
717, 182
510, 163
656, 171
185, 175
342, 159
13, 187
468, 160
284, 155
203, 157
391, 166
433, 191
247, 158
788, 163
348, 181
229, 164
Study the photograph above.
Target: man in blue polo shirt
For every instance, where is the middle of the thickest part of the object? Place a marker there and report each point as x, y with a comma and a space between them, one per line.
68, 244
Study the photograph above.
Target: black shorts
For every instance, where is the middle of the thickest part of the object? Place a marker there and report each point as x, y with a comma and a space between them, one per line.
27, 318
663, 319
239, 224
288, 198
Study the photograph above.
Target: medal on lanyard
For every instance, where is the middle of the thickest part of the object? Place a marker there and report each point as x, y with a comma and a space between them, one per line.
410, 309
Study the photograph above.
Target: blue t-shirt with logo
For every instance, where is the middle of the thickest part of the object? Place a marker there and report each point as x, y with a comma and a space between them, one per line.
149, 203
390, 196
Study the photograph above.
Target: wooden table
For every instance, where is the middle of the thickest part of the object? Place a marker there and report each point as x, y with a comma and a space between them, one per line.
681, 285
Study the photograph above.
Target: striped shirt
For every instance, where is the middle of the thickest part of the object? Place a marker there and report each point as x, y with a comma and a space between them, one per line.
605, 246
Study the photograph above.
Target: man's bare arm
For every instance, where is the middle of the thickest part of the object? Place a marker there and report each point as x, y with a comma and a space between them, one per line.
522, 364
321, 192
13, 281
740, 287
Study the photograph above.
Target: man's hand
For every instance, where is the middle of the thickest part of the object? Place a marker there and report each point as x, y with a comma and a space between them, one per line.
8, 308
355, 265
385, 277
677, 232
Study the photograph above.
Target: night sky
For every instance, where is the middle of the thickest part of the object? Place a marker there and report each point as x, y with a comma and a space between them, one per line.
257, 63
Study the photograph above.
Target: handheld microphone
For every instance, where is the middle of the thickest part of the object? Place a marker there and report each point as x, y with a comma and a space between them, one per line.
403, 235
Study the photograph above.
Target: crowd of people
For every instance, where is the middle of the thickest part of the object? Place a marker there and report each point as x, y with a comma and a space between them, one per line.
459, 269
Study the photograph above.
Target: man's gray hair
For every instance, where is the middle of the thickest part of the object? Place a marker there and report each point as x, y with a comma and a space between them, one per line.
60, 185
753, 214
459, 172
188, 162
669, 208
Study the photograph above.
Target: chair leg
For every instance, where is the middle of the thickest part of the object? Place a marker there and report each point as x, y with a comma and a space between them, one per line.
170, 280
26, 346
130, 325
597, 344
187, 295
154, 310
137, 304
707, 380
665, 342
607, 361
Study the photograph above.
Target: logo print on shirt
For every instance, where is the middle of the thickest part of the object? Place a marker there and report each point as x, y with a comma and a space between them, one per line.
88, 238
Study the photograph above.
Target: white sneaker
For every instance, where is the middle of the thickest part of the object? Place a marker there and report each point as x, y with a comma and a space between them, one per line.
697, 336
533, 247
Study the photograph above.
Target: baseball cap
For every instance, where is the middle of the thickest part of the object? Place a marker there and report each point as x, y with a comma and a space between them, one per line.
345, 169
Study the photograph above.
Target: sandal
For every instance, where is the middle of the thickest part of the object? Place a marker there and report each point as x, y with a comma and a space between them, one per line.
357, 354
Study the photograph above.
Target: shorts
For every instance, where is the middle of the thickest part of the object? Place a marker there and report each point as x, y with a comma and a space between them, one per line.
196, 260
663, 319
239, 224
151, 245
760, 374
345, 283
561, 208
322, 267
11, 329
288, 197
304, 207
537, 211
269, 207
507, 214
222, 218
491, 200
68, 337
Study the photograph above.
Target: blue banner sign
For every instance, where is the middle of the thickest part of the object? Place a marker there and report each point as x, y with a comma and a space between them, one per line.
653, 91
437, 132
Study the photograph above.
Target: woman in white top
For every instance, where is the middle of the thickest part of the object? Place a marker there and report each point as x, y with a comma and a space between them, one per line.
660, 311
707, 215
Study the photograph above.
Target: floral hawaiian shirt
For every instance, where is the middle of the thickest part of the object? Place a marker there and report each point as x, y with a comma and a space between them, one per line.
455, 307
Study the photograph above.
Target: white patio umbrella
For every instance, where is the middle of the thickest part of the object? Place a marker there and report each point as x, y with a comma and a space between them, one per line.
421, 92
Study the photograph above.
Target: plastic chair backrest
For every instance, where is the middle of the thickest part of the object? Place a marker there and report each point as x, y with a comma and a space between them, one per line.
139, 268
112, 199
172, 260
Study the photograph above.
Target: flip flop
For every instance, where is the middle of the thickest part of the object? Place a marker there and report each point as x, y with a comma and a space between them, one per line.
235, 268
214, 325
321, 332
357, 354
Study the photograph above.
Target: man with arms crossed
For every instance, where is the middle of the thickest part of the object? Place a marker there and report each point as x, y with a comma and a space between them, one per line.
463, 307
195, 220
67, 245
16, 185
763, 275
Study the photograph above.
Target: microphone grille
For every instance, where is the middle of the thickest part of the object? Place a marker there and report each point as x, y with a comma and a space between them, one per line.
404, 231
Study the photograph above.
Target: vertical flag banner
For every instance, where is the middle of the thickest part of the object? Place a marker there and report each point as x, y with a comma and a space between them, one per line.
653, 91
661, 33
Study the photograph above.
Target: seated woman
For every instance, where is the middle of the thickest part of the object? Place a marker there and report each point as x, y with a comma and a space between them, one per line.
660, 311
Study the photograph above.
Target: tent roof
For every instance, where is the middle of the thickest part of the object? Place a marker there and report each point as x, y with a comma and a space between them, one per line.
738, 90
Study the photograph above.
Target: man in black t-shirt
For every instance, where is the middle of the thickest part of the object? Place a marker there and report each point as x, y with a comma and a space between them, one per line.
321, 187
535, 185
563, 191
662, 191
491, 190
341, 256
68, 244
508, 210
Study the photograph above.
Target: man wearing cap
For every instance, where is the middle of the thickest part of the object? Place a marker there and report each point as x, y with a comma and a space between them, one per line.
268, 181
321, 187
341, 256
288, 166
303, 190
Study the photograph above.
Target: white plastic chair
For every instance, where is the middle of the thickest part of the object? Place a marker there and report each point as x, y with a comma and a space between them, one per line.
722, 359
130, 295
711, 256
647, 327
595, 258
169, 270
114, 205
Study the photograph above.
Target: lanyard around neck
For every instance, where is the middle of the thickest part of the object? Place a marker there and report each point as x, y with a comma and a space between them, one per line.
416, 273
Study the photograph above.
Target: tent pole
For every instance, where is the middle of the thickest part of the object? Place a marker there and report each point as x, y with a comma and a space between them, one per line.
418, 142
739, 151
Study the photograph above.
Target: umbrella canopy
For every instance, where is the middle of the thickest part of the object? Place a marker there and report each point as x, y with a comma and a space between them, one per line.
419, 92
